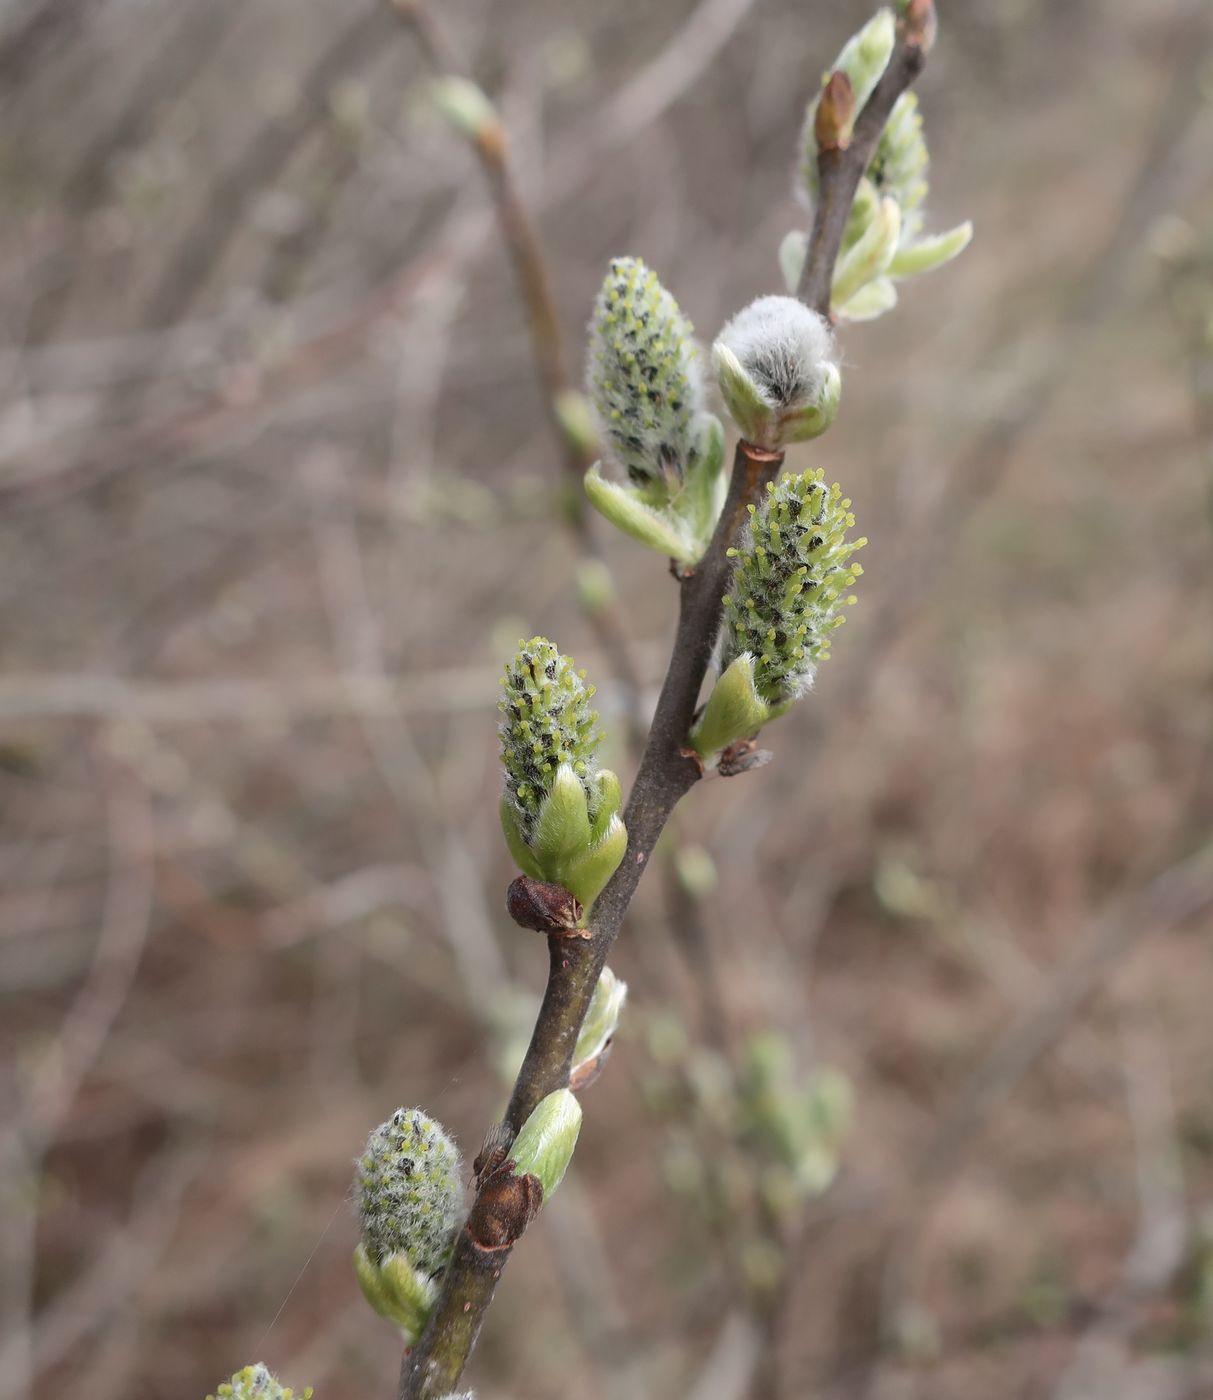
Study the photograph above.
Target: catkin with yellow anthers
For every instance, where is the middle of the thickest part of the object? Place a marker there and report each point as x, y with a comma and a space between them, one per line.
547, 723
256, 1383
791, 579
409, 1192
643, 379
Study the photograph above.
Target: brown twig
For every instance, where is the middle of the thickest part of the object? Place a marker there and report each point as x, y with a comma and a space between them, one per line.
667, 773
524, 247
840, 166
490, 141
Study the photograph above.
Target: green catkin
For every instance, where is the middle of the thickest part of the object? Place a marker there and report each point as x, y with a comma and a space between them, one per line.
256, 1383
547, 721
409, 1191
791, 579
643, 379
899, 166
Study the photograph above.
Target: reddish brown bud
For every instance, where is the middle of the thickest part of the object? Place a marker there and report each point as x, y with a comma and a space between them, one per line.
583, 1075
543, 907
920, 23
742, 757
504, 1208
835, 118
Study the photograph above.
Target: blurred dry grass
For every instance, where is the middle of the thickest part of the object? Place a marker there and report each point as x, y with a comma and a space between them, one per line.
277, 495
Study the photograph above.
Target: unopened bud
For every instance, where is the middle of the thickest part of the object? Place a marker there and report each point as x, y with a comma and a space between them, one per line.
643, 382
559, 809
409, 1191
791, 580
919, 23
544, 1146
544, 907
602, 1019
467, 108
835, 119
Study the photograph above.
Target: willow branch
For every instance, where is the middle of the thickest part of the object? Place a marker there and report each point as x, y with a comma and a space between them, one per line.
667, 772
840, 166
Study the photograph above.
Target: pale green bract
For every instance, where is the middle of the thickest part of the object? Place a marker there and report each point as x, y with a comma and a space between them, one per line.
559, 811
544, 1145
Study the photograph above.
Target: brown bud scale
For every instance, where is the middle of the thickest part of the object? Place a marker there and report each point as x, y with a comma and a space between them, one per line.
504, 1207
835, 118
742, 756
545, 908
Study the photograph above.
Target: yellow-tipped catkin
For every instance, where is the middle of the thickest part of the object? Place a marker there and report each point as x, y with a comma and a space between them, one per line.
792, 577
559, 809
256, 1383
547, 723
409, 1191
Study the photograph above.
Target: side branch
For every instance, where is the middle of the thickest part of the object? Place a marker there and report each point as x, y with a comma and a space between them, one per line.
840, 168
524, 247
490, 142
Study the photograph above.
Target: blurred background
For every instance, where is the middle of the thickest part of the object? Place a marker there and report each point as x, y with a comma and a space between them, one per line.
913, 1096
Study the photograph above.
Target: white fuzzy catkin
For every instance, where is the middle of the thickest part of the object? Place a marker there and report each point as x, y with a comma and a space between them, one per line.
784, 347
409, 1191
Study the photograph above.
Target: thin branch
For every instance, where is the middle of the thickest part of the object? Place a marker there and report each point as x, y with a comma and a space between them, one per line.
840, 168
524, 247
523, 244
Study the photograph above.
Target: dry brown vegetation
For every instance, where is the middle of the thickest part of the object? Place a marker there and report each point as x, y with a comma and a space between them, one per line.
278, 494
